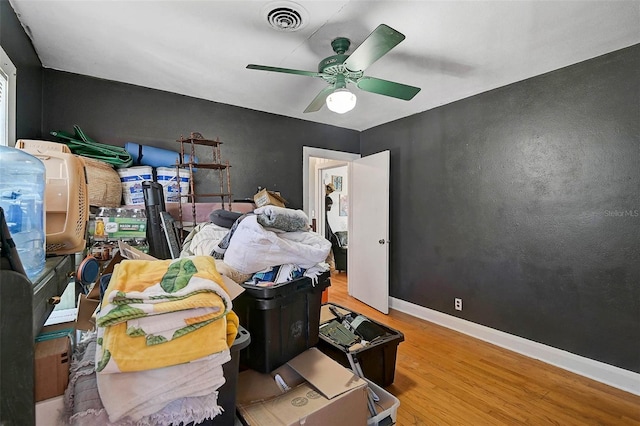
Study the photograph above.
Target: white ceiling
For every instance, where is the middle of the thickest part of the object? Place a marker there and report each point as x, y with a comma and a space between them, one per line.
452, 50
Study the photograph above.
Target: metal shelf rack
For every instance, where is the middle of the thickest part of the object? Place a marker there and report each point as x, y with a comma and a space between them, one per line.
221, 173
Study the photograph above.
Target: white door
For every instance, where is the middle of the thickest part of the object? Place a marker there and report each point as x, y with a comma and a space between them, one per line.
368, 253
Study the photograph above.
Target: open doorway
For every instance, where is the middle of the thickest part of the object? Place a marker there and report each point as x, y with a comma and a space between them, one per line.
320, 167
333, 183
368, 220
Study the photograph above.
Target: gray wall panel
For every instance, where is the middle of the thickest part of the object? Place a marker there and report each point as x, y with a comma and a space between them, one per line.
524, 202
263, 149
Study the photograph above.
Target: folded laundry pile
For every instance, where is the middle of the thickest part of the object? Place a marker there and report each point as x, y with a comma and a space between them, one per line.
164, 329
269, 245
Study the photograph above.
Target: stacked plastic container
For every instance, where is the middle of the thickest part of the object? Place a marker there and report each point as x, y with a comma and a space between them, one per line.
283, 320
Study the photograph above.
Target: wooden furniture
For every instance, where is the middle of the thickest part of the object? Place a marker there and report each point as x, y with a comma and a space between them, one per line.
220, 189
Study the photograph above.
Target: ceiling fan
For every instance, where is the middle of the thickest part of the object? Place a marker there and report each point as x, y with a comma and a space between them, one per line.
340, 69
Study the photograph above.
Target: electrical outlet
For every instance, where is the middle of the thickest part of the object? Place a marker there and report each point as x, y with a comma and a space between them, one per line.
457, 303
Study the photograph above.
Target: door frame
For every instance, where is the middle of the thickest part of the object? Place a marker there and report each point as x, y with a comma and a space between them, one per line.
312, 188
309, 179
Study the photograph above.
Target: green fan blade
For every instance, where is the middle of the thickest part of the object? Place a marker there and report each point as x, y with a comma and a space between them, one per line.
387, 88
284, 70
379, 42
319, 100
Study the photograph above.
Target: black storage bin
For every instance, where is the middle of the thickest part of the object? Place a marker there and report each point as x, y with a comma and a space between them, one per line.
227, 392
378, 359
283, 320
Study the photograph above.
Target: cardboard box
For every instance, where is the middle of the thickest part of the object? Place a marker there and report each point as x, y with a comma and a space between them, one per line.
88, 304
321, 392
51, 367
265, 197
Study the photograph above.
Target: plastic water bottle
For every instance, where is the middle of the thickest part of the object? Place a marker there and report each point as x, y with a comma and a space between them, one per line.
22, 186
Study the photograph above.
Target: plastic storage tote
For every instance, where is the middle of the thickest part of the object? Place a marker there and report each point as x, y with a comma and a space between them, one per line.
283, 320
227, 392
386, 407
377, 359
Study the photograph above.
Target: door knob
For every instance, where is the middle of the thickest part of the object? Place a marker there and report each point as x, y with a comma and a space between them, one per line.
381, 241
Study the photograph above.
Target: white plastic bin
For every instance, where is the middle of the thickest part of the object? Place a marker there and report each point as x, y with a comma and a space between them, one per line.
131, 179
386, 406
173, 185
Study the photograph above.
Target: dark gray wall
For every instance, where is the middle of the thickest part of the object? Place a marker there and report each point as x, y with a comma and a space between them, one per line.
18, 47
263, 149
524, 202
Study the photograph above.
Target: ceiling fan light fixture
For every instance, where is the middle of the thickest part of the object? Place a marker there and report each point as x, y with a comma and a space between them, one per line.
341, 101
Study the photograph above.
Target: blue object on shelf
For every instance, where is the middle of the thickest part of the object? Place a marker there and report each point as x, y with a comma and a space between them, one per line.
144, 155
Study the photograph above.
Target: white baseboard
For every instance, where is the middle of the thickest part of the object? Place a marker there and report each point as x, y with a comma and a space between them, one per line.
599, 371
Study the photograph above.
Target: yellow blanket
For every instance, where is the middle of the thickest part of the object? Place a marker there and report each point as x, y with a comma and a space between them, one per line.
138, 281
141, 288
117, 352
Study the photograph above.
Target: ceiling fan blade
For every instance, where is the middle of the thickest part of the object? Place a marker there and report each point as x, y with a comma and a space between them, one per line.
387, 88
284, 70
380, 41
319, 100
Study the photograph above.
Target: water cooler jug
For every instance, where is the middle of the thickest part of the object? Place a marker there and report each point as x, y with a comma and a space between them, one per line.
22, 186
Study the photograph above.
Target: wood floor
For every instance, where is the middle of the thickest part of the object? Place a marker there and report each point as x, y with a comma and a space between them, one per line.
443, 377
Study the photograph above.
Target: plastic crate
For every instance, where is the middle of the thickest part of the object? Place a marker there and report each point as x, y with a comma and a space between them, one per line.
377, 359
227, 392
386, 407
66, 195
283, 320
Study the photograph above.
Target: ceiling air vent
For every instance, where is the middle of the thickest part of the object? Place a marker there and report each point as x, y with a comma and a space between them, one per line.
286, 16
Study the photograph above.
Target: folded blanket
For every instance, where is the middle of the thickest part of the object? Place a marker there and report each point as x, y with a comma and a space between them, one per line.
140, 288
142, 393
83, 405
118, 352
158, 329
233, 322
282, 218
202, 239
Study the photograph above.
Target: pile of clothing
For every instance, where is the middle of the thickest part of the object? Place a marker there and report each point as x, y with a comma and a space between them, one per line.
164, 329
262, 244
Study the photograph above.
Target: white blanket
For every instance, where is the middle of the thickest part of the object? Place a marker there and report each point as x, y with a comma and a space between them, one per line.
254, 248
141, 393
202, 240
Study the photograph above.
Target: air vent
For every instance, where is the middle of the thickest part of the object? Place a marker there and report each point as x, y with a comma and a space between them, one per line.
285, 16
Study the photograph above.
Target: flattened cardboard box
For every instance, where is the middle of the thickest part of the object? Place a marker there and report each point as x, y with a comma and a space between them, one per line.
322, 393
